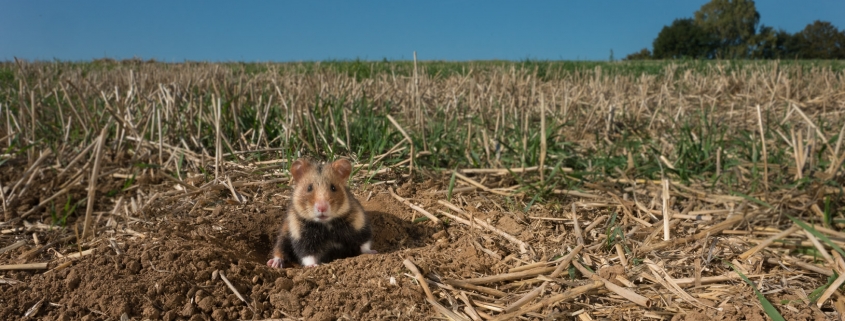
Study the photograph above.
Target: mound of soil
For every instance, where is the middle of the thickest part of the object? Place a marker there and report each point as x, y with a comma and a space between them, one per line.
174, 256
172, 260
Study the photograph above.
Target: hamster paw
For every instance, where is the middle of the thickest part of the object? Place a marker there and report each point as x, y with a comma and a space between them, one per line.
276, 263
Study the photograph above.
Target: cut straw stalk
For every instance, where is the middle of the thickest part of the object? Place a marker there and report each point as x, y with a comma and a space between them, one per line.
803, 265
76, 159
237, 196
711, 231
92, 185
26, 174
3, 196
476, 288
566, 260
834, 165
218, 149
479, 185
511, 276
528, 297
562, 261
33, 122
818, 131
671, 284
234, 290
33, 252
27, 266
469, 308
765, 154
79, 254
446, 312
620, 253
217, 187
568, 295
666, 211
542, 136
839, 266
9, 281
180, 182
819, 247
423, 283
576, 228
414, 207
408, 138
594, 224
13, 246
523, 247
503, 171
768, 242
623, 292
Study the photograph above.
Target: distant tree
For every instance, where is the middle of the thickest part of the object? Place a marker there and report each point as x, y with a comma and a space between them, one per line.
788, 47
763, 44
771, 44
683, 39
732, 22
820, 40
640, 55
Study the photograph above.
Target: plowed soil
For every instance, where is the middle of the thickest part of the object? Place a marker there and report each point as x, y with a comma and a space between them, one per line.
168, 260
172, 261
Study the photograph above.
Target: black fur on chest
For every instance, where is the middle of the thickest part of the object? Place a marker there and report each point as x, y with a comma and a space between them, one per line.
326, 241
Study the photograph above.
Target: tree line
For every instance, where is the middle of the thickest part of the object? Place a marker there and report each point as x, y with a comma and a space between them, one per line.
728, 29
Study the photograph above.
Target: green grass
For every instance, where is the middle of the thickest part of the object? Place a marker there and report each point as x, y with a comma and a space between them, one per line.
770, 309
59, 218
368, 69
818, 235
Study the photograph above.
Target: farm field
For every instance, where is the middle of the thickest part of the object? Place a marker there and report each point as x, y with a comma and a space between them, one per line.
528, 190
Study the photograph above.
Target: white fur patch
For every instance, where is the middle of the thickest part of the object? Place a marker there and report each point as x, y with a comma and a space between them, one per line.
309, 261
365, 248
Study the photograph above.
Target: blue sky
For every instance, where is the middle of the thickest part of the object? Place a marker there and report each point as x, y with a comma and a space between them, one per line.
250, 31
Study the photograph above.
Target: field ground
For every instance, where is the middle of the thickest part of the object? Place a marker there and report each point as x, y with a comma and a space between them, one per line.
547, 187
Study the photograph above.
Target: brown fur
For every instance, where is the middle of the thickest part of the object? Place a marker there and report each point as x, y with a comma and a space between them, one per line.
321, 177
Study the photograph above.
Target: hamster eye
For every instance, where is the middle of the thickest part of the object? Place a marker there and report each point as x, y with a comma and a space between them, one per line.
334, 189
310, 187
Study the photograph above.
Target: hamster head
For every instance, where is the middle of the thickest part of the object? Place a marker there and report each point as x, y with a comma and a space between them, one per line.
320, 189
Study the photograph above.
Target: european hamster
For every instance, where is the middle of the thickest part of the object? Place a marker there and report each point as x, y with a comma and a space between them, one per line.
324, 221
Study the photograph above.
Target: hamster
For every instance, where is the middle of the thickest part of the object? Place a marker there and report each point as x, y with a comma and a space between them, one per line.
324, 221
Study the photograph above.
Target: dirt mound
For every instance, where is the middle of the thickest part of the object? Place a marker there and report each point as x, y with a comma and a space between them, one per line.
172, 262
166, 255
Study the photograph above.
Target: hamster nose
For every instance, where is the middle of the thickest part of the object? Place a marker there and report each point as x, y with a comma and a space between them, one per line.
321, 206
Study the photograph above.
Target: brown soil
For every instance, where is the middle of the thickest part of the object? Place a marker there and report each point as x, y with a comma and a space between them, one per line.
174, 255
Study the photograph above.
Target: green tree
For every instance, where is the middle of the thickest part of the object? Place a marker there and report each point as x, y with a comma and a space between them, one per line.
640, 55
820, 40
771, 44
732, 22
683, 39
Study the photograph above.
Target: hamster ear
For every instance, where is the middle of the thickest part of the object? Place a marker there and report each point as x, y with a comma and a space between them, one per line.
298, 169
342, 168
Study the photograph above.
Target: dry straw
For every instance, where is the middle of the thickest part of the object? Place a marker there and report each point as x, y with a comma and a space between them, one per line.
579, 150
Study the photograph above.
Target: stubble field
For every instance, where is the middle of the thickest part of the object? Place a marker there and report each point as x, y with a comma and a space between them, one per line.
535, 190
